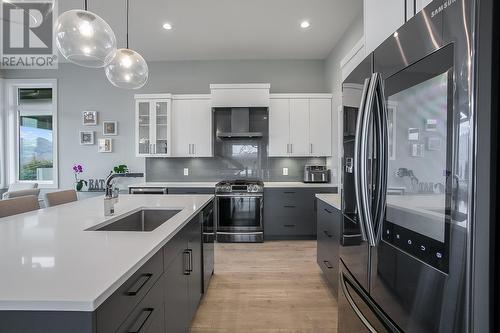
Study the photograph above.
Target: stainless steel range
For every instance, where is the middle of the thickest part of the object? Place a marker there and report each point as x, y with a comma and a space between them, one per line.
239, 211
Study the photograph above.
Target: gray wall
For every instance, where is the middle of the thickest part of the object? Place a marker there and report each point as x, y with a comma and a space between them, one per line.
333, 77
88, 89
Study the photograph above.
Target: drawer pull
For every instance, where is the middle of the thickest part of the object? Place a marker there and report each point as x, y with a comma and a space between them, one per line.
188, 261
327, 234
327, 264
137, 286
290, 206
289, 192
141, 321
328, 211
289, 225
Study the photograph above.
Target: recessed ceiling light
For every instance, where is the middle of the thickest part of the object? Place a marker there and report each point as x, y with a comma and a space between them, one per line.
167, 26
305, 24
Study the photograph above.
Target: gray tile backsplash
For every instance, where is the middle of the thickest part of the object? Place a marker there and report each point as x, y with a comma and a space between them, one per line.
218, 168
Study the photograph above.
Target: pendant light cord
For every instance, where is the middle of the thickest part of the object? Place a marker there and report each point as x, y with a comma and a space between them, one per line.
127, 20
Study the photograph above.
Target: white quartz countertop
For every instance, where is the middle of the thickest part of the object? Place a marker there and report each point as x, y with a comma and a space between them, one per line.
49, 262
331, 199
212, 184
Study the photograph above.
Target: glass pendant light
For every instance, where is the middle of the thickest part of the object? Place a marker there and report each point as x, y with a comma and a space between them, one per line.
84, 38
128, 69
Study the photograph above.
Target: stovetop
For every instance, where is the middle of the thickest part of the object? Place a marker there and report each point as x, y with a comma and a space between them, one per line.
240, 186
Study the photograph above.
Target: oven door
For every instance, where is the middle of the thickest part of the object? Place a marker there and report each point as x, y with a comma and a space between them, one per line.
239, 212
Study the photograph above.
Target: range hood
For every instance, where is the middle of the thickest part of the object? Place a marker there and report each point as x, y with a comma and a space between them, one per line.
240, 125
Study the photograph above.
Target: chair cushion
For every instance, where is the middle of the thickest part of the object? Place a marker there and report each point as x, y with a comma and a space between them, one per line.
21, 193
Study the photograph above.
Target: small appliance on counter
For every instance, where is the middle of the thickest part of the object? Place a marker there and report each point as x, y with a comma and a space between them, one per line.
316, 174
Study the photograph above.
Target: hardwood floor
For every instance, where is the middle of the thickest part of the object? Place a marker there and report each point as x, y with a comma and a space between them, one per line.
264, 288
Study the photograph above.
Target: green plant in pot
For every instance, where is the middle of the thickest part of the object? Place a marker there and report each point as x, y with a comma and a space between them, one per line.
78, 169
122, 168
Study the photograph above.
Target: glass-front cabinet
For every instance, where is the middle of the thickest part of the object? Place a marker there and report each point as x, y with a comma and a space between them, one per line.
153, 125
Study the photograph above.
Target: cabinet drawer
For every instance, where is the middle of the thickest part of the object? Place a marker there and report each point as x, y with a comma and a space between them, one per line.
191, 190
149, 315
175, 246
117, 307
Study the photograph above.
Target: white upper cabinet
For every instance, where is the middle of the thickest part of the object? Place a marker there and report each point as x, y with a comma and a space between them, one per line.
279, 127
320, 127
414, 6
381, 19
300, 126
192, 126
153, 128
420, 4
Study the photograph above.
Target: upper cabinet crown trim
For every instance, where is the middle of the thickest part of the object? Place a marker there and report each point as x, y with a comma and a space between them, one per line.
192, 96
241, 86
152, 96
300, 96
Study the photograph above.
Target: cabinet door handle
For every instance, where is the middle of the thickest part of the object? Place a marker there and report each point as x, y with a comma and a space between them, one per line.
194, 149
289, 225
328, 211
186, 258
290, 206
291, 148
141, 320
327, 264
137, 286
310, 148
190, 266
327, 234
288, 148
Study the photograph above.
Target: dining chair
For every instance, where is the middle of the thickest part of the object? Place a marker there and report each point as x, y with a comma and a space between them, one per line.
21, 193
60, 197
14, 187
19, 205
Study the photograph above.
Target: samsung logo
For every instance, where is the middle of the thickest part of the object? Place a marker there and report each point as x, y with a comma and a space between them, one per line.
442, 7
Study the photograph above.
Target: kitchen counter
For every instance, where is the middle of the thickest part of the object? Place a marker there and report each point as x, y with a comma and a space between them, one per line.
50, 263
212, 184
331, 199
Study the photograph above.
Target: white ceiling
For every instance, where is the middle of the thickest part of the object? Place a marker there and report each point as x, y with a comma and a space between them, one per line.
227, 29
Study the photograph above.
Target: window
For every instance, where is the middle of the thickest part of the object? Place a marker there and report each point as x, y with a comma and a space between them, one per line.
33, 132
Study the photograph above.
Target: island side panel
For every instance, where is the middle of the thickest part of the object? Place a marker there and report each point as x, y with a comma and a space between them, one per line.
47, 321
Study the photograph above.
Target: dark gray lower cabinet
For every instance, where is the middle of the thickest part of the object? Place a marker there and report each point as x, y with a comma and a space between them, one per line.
328, 235
289, 213
191, 190
183, 278
161, 296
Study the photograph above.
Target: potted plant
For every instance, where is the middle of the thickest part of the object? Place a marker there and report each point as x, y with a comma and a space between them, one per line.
78, 169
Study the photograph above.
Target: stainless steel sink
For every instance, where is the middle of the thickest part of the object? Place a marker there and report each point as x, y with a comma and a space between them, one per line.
142, 220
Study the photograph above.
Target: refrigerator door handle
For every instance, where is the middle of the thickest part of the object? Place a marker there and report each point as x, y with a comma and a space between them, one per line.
357, 160
363, 173
352, 303
383, 159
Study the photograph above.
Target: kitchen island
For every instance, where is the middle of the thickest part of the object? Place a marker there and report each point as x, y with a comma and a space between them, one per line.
59, 276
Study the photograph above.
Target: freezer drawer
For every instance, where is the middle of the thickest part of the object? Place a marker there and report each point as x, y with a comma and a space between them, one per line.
357, 311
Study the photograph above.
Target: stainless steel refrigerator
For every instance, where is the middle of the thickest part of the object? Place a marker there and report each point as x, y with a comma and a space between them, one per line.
409, 136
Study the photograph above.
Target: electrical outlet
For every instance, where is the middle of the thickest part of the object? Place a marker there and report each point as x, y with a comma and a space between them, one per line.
285, 171
186, 172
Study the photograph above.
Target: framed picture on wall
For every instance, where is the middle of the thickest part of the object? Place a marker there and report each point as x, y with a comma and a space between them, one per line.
109, 128
86, 138
105, 146
89, 118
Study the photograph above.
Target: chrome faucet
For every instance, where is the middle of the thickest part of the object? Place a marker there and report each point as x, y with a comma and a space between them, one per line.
111, 196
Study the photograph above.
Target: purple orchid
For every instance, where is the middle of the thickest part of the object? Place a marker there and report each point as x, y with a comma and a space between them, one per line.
77, 168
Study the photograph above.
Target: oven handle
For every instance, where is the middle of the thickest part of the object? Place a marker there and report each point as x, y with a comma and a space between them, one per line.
239, 195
